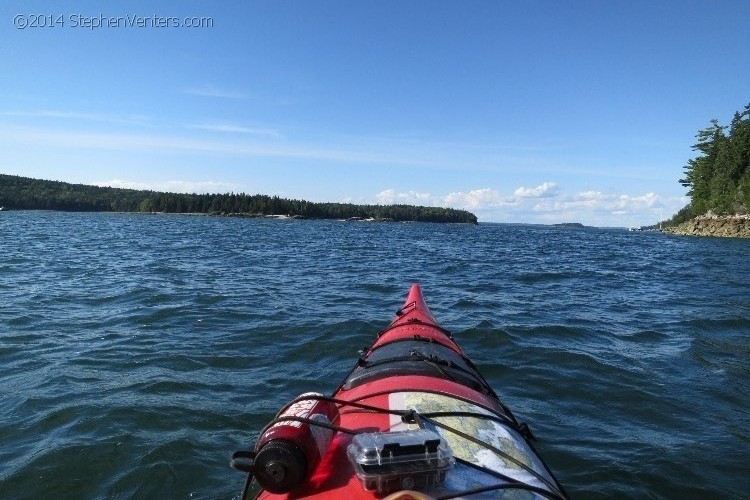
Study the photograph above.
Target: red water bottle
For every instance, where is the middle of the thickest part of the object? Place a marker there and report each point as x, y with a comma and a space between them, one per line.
289, 451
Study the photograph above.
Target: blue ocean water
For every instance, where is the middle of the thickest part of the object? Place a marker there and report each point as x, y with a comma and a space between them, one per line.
137, 352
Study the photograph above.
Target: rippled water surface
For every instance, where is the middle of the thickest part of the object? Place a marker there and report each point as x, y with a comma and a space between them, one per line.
137, 352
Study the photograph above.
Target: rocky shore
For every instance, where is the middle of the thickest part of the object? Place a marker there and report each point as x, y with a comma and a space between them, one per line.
725, 226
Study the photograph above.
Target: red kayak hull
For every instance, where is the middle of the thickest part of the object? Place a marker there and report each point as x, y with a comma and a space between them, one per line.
387, 381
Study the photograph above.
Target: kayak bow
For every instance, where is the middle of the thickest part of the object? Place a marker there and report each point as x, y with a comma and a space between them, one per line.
414, 418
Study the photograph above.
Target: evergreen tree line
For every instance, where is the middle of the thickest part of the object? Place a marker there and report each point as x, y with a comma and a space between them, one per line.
719, 177
23, 193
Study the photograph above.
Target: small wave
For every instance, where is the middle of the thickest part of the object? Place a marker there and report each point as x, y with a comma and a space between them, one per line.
25, 320
647, 336
464, 304
547, 277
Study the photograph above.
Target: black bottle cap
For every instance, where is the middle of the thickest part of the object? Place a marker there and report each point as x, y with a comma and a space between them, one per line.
280, 466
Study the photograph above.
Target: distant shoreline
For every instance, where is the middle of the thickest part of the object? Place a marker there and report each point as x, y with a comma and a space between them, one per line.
239, 216
25, 193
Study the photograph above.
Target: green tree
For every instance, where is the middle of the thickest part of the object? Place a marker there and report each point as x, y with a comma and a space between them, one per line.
26, 193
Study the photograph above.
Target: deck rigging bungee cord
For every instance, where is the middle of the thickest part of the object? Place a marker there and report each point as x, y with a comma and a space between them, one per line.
243, 460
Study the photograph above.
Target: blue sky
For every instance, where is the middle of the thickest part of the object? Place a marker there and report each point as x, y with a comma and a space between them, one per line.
528, 111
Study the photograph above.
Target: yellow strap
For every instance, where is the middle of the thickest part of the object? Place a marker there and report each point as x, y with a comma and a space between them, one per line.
408, 495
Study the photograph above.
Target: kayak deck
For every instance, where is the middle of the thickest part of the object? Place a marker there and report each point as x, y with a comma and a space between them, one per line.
415, 376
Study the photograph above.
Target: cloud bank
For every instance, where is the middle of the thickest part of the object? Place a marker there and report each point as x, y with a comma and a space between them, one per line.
549, 203
391, 197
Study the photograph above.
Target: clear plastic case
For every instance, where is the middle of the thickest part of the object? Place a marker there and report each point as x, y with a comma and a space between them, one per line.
405, 460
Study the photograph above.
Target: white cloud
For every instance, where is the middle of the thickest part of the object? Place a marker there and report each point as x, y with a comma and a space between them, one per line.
649, 199
584, 199
390, 197
487, 198
546, 203
589, 195
477, 198
386, 196
595, 207
174, 186
545, 190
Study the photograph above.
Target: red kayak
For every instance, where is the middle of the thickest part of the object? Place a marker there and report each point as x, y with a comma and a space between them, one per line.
414, 418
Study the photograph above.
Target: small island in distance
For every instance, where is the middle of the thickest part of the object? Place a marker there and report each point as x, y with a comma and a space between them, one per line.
571, 225
25, 193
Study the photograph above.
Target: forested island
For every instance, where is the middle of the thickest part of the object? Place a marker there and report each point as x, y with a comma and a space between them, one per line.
24, 193
569, 225
719, 182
